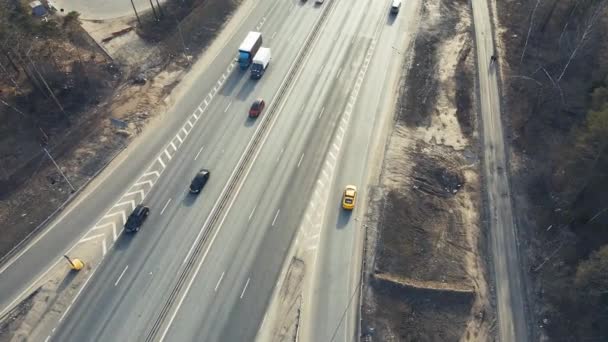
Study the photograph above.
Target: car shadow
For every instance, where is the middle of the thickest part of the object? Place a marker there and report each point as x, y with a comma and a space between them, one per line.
69, 278
344, 218
189, 198
250, 121
246, 90
125, 239
390, 20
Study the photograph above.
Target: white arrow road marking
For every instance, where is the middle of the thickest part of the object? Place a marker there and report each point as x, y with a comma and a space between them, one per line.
122, 214
91, 238
131, 202
141, 192
104, 225
143, 183
156, 173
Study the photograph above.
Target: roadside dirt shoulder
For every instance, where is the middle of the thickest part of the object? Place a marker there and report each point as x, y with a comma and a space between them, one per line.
426, 266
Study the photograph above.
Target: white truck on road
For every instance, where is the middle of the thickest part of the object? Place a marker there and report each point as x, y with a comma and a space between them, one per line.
249, 48
260, 62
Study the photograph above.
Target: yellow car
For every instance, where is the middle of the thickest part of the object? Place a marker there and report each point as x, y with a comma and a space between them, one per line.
349, 197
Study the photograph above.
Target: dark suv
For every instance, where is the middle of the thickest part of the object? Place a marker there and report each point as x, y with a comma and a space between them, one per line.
137, 218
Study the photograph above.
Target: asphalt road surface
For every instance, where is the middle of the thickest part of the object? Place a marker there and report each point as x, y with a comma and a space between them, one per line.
232, 266
241, 260
505, 254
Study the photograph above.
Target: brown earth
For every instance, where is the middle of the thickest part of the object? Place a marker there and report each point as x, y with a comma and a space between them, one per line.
91, 90
553, 66
425, 248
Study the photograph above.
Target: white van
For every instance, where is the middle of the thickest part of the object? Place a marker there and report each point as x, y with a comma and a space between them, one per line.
395, 6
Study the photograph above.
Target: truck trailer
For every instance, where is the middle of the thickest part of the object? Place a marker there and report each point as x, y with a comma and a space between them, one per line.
260, 63
249, 47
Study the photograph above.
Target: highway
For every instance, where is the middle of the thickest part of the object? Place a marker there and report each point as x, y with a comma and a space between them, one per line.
204, 267
134, 292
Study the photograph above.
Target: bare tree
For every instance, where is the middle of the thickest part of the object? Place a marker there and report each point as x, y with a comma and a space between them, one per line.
523, 53
584, 37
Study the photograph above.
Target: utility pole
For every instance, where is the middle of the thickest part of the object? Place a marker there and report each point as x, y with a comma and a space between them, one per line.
154, 11
48, 88
57, 166
181, 36
160, 9
136, 15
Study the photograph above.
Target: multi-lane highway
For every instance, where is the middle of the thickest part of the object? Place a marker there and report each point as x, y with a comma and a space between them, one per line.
204, 267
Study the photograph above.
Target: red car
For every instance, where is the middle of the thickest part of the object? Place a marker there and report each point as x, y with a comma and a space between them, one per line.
256, 108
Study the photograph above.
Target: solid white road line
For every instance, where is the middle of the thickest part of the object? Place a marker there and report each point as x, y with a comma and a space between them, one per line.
251, 215
300, 162
225, 110
245, 288
275, 217
218, 282
120, 276
165, 207
199, 152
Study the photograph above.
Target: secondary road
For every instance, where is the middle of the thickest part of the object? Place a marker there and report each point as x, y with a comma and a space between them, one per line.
505, 253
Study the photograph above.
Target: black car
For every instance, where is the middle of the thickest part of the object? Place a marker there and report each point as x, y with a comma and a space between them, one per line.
137, 218
199, 181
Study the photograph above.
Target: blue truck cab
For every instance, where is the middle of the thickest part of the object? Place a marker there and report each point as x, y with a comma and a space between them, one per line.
249, 47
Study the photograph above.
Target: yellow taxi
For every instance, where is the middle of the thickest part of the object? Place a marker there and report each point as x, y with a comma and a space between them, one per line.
349, 197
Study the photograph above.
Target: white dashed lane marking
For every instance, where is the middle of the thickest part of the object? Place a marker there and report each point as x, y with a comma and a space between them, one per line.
245, 288
219, 281
122, 274
165, 207
275, 217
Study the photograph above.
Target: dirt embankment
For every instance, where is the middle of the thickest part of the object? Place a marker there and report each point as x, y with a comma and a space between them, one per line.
555, 83
58, 89
427, 275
